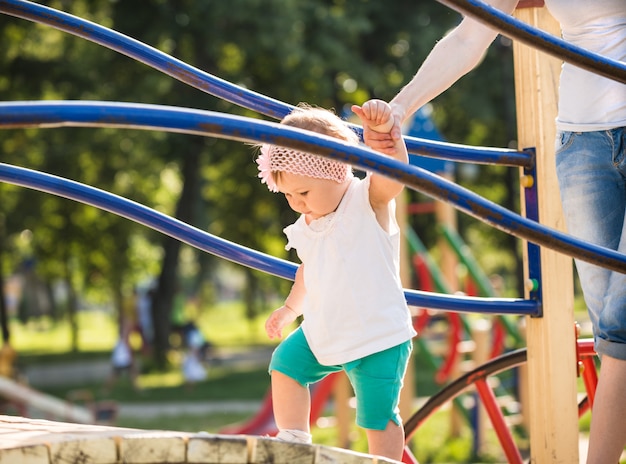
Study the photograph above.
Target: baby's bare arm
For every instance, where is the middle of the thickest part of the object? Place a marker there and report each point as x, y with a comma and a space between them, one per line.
378, 118
290, 310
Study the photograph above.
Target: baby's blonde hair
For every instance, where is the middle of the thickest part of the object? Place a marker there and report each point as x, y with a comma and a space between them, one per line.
320, 120
274, 160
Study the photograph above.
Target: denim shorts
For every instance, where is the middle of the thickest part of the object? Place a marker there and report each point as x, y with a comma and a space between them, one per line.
376, 379
591, 168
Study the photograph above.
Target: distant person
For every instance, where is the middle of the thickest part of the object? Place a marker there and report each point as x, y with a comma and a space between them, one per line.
193, 366
348, 286
144, 319
591, 170
122, 359
193, 338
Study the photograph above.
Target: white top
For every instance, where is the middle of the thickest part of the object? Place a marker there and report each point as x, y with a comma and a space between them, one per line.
354, 304
121, 356
587, 101
193, 370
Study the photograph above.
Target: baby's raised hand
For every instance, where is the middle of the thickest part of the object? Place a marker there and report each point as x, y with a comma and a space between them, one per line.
377, 119
376, 115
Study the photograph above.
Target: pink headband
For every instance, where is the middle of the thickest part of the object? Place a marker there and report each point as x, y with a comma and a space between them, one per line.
274, 158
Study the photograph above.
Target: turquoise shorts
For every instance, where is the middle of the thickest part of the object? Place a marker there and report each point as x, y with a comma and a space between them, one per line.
376, 379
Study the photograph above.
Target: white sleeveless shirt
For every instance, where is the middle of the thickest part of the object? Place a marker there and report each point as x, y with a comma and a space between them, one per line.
354, 304
587, 101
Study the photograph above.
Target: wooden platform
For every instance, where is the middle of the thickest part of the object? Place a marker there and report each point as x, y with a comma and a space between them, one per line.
33, 441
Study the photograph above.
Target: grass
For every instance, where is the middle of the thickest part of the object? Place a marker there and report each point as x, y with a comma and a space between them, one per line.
45, 342
224, 325
43, 339
222, 384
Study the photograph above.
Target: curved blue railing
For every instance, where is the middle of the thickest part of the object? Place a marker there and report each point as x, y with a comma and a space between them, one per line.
115, 114
516, 29
229, 250
223, 89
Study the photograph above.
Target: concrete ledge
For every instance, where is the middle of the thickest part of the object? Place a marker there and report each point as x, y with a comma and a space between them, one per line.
33, 441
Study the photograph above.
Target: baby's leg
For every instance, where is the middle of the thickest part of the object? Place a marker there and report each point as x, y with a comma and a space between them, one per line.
292, 405
293, 360
388, 443
377, 381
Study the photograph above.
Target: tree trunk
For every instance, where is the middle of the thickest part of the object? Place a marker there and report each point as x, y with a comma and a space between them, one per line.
72, 307
167, 283
4, 317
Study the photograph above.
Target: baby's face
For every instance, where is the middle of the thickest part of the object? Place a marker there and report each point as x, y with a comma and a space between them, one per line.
310, 196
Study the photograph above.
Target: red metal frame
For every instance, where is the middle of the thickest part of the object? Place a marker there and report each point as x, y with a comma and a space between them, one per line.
585, 355
497, 420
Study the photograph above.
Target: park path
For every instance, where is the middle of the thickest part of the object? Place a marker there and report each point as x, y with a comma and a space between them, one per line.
150, 410
94, 371
61, 374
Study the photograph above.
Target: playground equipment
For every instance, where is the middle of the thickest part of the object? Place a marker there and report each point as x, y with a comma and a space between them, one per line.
23, 395
550, 438
432, 279
480, 379
79, 406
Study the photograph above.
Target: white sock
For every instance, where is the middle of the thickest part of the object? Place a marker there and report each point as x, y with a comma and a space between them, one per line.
294, 436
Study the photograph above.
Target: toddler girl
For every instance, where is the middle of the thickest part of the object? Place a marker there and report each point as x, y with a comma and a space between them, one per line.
348, 289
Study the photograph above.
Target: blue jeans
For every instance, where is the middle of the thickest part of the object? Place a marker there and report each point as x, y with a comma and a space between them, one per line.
591, 168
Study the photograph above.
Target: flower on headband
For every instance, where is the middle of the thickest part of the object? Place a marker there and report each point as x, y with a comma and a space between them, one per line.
265, 168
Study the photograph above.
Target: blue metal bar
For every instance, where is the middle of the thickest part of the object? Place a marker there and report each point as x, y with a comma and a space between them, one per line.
223, 248
100, 114
230, 92
469, 304
540, 40
146, 216
533, 251
467, 153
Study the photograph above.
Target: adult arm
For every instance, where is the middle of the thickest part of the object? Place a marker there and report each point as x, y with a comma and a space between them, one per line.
377, 117
451, 58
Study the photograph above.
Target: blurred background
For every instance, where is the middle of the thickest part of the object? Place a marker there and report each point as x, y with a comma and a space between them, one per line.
80, 284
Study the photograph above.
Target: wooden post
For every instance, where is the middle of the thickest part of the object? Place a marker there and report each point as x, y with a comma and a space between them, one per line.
550, 339
481, 334
445, 215
407, 394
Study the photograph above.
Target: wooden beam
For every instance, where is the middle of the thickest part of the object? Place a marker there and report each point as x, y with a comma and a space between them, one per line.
32, 441
407, 394
550, 339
